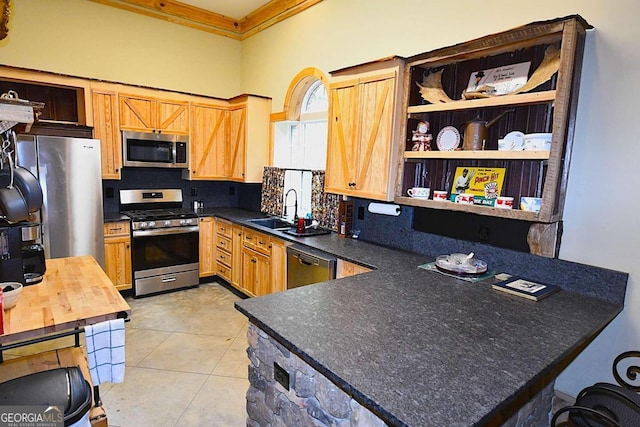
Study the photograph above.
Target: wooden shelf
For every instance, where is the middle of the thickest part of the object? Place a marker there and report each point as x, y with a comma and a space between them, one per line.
476, 155
476, 209
498, 101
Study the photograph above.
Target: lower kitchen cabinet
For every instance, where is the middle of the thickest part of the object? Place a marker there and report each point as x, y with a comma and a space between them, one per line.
278, 265
256, 270
346, 269
117, 254
207, 246
223, 249
251, 261
236, 257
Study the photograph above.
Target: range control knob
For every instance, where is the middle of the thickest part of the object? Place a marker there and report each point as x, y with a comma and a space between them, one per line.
142, 225
151, 224
167, 223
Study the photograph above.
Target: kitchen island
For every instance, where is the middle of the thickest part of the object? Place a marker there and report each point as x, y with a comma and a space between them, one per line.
413, 347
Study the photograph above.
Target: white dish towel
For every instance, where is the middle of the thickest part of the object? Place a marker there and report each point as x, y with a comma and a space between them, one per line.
105, 351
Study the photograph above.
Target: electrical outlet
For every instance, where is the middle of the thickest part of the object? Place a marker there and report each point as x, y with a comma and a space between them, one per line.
484, 233
360, 212
108, 192
281, 375
194, 191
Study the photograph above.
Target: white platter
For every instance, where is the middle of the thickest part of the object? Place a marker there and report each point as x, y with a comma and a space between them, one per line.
448, 139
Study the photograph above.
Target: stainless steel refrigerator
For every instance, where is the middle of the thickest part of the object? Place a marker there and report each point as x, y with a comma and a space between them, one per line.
70, 175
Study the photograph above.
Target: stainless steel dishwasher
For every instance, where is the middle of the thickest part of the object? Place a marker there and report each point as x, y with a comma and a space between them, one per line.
306, 266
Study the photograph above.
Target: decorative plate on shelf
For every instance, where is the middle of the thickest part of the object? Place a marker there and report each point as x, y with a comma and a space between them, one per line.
448, 139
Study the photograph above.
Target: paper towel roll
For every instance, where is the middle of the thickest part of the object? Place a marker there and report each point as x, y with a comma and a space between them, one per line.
384, 209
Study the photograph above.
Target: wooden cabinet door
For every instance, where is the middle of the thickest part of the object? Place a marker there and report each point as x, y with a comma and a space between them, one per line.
237, 139
106, 129
346, 269
207, 247
137, 113
278, 265
173, 117
262, 275
117, 260
256, 273
117, 253
209, 127
374, 149
236, 256
344, 134
249, 262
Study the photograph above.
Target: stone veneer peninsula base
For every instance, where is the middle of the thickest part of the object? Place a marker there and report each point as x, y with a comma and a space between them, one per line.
313, 400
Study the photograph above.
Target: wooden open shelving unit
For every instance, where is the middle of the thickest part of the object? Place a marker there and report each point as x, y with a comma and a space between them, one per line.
550, 107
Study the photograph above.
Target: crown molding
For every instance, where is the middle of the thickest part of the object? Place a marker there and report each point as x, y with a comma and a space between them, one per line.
238, 29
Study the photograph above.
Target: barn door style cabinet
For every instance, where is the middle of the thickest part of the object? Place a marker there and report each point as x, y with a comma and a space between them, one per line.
547, 107
365, 104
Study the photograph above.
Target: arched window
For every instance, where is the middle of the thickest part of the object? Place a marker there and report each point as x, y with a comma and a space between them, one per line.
300, 141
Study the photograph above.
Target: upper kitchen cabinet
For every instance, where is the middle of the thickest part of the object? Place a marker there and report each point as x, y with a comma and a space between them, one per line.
365, 112
465, 87
67, 100
208, 136
106, 129
248, 144
147, 114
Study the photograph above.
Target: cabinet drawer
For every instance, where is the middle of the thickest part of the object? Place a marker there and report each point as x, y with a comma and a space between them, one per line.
117, 228
223, 228
223, 243
223, 271
263, 243
248, 239
257, 241
224, 258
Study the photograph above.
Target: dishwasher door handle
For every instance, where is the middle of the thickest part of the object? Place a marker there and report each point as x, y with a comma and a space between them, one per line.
307, 260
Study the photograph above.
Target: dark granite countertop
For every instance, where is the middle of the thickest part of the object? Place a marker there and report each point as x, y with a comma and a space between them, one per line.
419, 348
115, 217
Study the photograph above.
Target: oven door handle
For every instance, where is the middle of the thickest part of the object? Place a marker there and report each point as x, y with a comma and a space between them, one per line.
165, 231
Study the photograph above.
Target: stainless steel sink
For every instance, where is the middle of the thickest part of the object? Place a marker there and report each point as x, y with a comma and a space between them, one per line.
272, 223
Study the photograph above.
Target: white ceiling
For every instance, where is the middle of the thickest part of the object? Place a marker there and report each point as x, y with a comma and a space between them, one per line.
236, 9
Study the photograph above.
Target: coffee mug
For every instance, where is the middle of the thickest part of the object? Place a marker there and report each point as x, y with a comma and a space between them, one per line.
464, 198
440, 195
504, 203
419, 192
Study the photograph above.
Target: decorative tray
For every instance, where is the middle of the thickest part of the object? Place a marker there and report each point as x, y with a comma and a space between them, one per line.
460, 264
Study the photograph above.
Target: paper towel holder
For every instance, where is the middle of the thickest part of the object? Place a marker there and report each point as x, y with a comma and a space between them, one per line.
384, 209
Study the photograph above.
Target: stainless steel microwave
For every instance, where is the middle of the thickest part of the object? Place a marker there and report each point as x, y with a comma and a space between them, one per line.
155, 150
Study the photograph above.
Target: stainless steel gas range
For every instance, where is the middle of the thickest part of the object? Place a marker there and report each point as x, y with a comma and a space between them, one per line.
165, 240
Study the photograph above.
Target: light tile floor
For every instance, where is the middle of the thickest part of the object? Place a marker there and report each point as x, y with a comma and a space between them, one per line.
186, 362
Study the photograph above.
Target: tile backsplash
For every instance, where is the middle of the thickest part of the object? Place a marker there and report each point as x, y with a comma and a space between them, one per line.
212, 193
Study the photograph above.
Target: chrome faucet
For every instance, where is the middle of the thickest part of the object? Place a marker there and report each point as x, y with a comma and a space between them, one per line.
295, 213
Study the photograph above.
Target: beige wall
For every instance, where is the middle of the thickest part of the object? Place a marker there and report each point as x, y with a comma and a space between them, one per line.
87, 39
602, 225
339, 33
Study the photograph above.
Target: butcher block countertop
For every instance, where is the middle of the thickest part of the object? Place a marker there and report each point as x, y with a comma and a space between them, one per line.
75, 292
